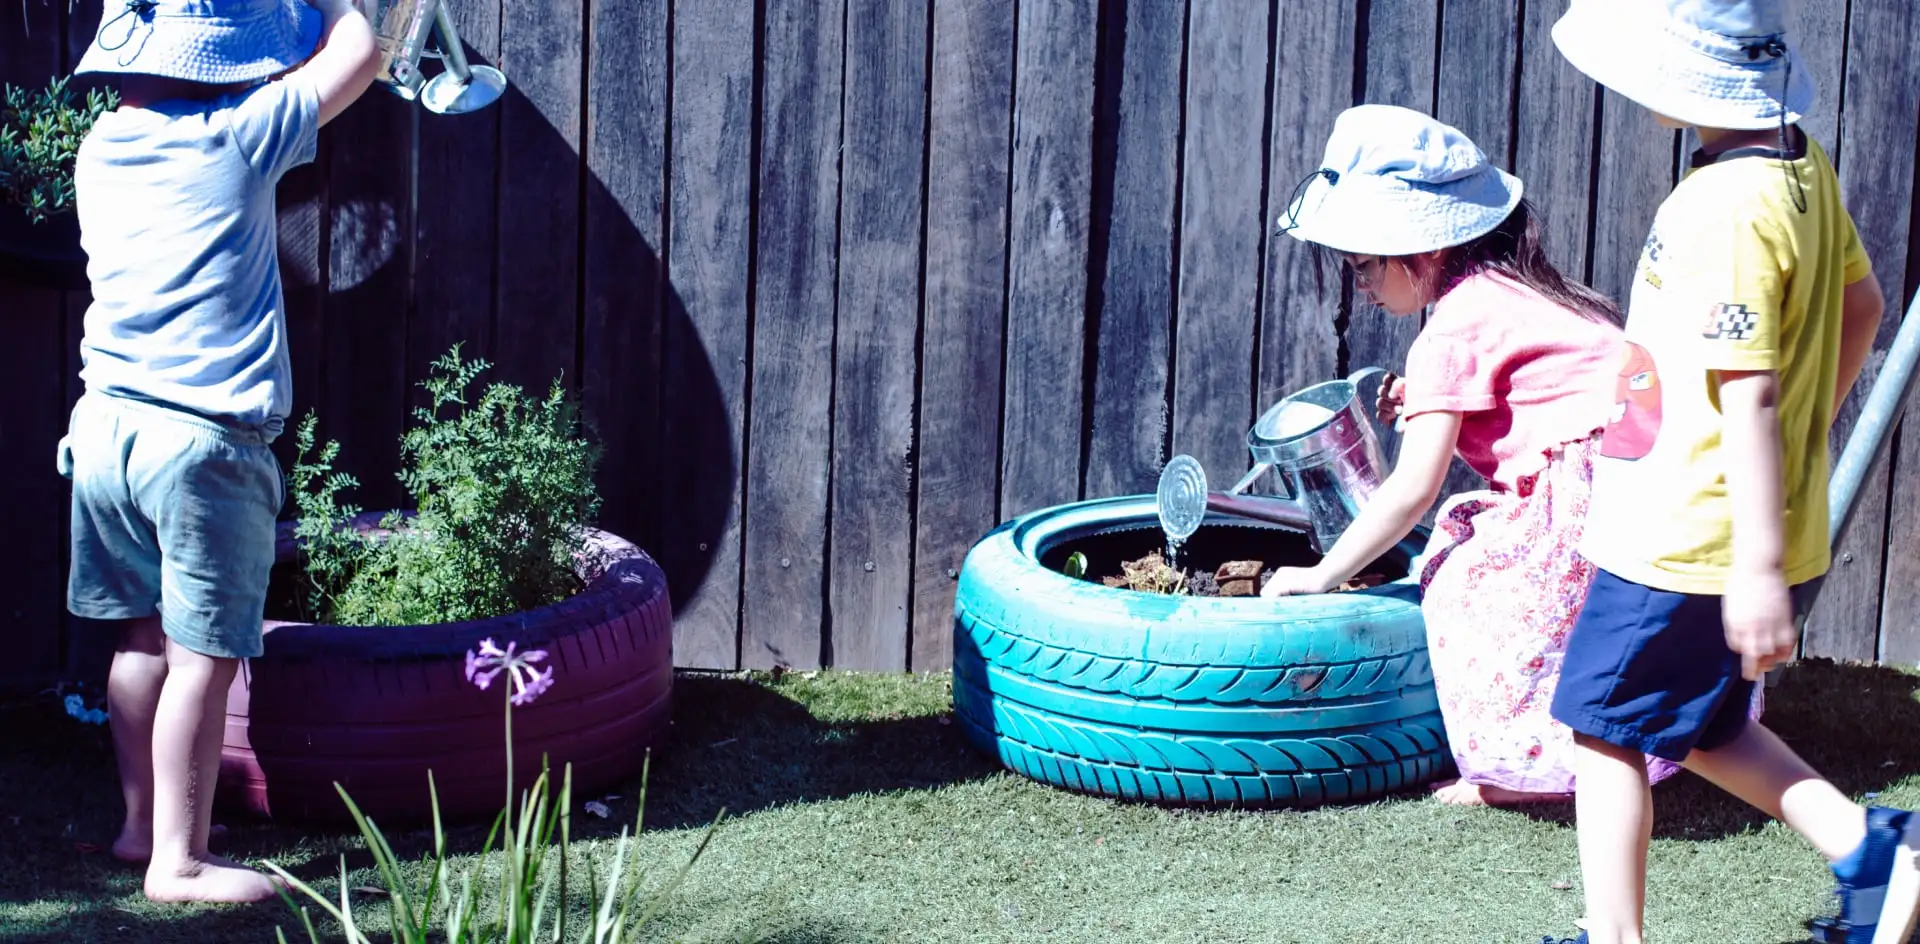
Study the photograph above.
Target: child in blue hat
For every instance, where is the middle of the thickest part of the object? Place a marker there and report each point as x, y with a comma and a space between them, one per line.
1754, 310
187, 380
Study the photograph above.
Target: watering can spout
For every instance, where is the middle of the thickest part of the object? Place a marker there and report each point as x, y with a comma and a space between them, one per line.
402, 29
1184, 500
1275, 509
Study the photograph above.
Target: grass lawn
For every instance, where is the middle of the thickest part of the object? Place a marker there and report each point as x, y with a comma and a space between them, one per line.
857, 813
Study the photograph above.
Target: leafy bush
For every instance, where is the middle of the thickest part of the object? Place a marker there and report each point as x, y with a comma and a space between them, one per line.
40, 133
504, 491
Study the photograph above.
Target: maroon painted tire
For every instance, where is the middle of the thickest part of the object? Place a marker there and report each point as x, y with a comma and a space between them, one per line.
376, 708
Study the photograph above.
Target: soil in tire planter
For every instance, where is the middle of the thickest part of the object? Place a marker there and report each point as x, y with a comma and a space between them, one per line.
1214, 555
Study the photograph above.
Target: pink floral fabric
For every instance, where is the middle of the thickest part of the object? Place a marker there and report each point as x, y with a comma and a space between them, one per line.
1502, 584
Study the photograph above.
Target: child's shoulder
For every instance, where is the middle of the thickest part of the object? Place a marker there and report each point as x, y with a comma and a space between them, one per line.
1487, 299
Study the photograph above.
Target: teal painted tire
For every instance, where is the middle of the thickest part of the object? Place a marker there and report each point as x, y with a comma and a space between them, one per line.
1211, 701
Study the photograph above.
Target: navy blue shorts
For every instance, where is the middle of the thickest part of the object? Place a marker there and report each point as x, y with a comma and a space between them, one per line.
1650, 670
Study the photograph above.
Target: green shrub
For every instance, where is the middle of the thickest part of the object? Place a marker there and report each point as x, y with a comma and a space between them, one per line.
504, 491
40, 133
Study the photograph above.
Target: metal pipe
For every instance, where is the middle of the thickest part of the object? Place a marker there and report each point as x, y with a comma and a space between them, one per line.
1878, 417
1284, 512
456, 57
1873, 432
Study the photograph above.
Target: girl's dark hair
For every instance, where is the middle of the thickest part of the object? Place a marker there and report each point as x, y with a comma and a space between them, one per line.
1514, 249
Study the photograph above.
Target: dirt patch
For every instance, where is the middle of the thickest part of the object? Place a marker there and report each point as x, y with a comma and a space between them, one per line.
1235, 578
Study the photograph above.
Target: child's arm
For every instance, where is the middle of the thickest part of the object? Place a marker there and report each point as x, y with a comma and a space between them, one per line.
348, 58
1426, 452
1861, 306
1757, 607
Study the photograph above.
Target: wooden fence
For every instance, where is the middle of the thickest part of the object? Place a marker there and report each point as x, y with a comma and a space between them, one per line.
845, 283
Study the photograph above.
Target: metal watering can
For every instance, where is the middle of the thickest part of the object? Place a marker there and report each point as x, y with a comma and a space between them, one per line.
401, 29
1321, 447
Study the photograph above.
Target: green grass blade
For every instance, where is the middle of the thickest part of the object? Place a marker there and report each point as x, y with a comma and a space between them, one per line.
673, 884
603, 923
399, 891
566, 843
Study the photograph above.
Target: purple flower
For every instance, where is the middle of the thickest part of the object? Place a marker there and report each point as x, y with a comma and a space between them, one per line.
490, 660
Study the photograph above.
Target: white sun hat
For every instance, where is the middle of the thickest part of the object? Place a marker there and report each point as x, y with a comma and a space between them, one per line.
1396, 182
1708, 63
217, 42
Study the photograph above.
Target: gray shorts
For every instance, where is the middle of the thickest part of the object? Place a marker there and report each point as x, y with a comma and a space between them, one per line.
172, 512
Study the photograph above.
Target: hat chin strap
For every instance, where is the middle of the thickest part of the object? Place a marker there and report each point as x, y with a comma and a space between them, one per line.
1778, 50
1291, 221
142, 12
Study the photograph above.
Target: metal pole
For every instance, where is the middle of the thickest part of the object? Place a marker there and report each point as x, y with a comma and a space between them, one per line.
1871, 435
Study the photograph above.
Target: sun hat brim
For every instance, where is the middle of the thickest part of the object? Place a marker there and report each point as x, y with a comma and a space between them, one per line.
1633, 48
1378, 216
199, 48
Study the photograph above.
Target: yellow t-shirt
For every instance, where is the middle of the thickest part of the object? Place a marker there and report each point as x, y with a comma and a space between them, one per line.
1733, 277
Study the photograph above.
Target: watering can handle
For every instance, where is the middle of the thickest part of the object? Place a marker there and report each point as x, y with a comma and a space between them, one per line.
1399, 422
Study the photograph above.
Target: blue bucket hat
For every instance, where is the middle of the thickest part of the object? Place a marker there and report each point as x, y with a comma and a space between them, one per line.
1712, 63
217, 42
1397, 182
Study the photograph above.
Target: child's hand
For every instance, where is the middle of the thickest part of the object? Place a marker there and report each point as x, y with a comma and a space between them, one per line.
1758, 613
1288, 581
1393, 395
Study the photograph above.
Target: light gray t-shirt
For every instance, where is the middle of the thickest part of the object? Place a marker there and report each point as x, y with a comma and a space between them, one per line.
176, 210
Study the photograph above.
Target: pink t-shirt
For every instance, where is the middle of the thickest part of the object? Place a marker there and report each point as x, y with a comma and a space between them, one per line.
1527, 374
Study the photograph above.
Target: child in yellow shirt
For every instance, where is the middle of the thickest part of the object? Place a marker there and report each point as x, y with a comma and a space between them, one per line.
1754, 309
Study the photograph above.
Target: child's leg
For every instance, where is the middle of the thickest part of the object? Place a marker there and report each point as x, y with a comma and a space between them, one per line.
1614, 808
1761, 769
133, 694
186, 755
1645, 672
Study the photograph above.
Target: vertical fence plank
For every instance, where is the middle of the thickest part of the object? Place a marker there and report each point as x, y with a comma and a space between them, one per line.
536, 324
456, 225
1479, 46
1400, 71
86, 651
1819, 34
304, 256
970, 134
1313, 67
709, 265
878, 328
363, 399
790, 422
1047, 289
1900, 606
32, 386
1553, 139
1636, 173
1219, 235
31, 372
622, 272
1135, 178
1883, 81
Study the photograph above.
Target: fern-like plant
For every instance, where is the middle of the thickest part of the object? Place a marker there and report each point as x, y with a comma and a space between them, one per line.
504, 492
40, 135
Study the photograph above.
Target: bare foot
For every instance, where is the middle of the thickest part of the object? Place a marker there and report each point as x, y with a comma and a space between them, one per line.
212, 879
1463, 793
137, 848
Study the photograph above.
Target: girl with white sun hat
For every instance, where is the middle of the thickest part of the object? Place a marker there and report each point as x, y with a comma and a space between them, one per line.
1512, 373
